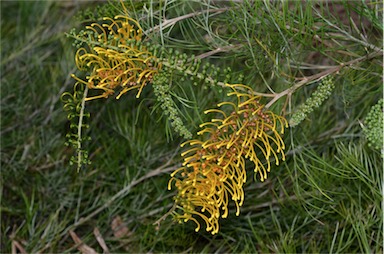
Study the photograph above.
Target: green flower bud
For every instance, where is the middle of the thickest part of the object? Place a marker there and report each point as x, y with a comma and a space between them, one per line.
373, 128
323, 91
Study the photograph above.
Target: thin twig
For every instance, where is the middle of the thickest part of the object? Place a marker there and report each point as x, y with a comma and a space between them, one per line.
346, 34
321, 75
79, 128
269, 203
100, 240
218, 50
167, 23
211, 80
160, 170
80, 245
17, 248
165, 216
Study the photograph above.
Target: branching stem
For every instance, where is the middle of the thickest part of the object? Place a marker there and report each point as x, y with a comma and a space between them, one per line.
171, 22
321, 75
275, 96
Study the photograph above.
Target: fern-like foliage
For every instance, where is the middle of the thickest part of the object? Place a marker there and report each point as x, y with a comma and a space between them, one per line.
74, 104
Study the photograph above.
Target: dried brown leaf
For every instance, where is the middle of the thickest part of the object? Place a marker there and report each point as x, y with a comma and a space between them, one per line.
100, 240
119, 229
17, 248
82, 247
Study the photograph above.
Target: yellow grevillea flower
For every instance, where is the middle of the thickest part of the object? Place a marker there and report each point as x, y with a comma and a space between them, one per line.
116, 58
213, 171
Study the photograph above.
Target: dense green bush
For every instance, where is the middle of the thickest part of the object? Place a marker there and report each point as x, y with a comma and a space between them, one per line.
318, 65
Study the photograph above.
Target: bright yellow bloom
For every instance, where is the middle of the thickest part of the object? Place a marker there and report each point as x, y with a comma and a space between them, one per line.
116, 58
213, 171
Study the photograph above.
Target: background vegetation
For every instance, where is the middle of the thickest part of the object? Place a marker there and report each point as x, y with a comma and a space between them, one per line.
326, 197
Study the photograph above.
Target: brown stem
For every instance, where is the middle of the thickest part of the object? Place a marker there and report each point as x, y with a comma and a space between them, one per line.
321, 75
170, 22
218, 50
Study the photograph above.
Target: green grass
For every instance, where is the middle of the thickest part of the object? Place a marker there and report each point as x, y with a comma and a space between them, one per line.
326, 196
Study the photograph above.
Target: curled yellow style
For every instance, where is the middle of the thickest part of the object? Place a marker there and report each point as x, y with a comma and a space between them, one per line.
213, 171
116, 58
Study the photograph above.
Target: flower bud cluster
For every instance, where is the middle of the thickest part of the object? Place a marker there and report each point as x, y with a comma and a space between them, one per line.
161, 87
192, 68
323, 91
117, 61
373, 129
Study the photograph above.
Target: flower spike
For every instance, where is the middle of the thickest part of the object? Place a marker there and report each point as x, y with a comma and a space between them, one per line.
116, 58
213, 171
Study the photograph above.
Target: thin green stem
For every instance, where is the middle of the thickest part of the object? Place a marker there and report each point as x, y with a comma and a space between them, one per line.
79, 130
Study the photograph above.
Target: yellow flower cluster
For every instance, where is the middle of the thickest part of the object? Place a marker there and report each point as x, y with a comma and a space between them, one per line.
214, 169
116, 57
